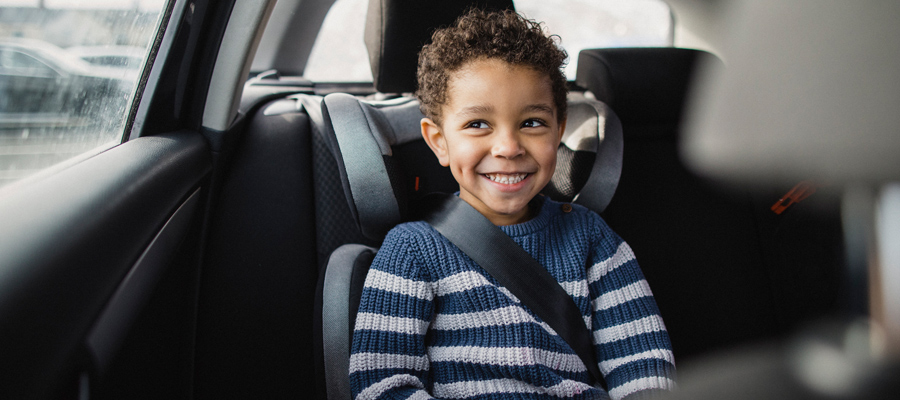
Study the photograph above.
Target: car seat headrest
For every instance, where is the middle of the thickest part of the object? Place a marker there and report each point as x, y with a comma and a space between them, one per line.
589, 159
366, 136
646, 85
397, 29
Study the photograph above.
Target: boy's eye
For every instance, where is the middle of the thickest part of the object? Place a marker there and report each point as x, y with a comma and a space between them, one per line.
533, 123
477, 125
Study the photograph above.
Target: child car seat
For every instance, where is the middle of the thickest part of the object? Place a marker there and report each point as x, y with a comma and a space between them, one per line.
381, 191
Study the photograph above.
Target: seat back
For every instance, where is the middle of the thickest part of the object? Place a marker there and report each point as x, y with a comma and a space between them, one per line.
717, 258
397, 29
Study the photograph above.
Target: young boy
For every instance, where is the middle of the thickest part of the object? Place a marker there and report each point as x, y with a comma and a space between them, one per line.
432, 322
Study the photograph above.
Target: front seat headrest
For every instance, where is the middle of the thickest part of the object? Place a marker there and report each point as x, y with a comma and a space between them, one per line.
645, 85
397, 29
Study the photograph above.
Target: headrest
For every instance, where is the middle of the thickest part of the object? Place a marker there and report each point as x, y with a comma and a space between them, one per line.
645, 85
813, 99
380, 178
397, 29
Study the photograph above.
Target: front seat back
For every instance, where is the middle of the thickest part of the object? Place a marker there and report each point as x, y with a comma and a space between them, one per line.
725, 269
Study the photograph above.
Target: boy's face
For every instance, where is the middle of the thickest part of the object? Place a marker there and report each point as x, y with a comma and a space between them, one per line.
499, 137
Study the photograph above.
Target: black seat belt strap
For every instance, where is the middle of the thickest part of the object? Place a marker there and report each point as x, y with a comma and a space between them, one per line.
515, 269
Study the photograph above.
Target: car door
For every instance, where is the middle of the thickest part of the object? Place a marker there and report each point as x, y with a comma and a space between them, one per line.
100, 255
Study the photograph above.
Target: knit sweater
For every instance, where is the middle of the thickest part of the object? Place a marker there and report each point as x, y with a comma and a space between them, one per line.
432, 322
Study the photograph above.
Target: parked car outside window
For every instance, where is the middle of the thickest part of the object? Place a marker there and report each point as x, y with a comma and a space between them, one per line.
128, 57
68, 74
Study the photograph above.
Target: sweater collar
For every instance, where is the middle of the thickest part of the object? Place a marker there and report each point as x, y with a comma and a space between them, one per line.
541, 219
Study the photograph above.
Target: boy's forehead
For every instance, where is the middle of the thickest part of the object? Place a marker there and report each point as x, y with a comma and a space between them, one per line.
482, 74
479, 64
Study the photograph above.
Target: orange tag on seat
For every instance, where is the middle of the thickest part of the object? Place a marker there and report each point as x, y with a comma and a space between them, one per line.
795, 195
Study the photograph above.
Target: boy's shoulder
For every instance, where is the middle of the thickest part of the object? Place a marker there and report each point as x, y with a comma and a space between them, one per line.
411, 230
414, 236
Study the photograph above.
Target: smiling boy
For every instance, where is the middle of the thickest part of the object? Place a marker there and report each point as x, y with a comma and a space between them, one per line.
499, 133
432, 322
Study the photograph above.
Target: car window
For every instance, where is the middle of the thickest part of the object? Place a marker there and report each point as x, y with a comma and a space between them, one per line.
339, 54
55, 104
602, 23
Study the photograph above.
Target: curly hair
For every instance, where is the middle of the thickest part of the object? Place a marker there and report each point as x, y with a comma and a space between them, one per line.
503, 35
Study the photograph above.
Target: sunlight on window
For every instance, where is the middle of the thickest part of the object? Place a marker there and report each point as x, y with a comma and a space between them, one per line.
603, 23
339, 54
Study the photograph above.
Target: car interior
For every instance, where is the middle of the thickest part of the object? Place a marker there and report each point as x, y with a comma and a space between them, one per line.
218, 251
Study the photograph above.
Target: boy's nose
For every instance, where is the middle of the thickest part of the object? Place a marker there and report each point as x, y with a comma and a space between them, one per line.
507, 144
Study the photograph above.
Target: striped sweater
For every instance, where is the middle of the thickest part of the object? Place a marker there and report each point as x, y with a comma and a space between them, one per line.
432, 322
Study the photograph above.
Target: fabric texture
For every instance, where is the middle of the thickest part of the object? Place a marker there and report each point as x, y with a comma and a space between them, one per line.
432, 322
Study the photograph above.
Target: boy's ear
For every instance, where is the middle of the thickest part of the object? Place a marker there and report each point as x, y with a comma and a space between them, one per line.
433, 135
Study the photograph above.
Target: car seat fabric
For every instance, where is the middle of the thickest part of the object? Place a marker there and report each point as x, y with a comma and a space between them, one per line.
343, 284
397, 29
261, 235
710, 252
644, 85
696, 242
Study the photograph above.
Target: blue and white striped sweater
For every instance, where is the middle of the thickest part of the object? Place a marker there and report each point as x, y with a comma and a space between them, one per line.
432, 322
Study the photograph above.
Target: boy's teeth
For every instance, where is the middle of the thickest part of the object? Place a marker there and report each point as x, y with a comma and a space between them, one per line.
506, 179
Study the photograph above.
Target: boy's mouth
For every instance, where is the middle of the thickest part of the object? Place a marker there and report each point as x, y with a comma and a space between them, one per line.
507, 179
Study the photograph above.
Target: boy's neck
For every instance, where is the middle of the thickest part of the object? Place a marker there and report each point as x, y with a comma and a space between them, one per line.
530, 211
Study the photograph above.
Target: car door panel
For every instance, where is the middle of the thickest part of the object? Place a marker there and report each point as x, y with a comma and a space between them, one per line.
70, 239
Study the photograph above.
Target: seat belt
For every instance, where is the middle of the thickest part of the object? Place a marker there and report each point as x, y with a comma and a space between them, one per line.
515, 269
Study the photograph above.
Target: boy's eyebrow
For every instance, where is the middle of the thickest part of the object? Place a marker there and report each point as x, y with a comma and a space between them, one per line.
539, 108
478, 109
484, 109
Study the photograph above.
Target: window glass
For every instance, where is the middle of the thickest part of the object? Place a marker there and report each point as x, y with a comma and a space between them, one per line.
339, 54
68, 74
586, 24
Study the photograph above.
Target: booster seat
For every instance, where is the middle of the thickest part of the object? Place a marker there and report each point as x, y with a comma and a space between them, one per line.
386, 168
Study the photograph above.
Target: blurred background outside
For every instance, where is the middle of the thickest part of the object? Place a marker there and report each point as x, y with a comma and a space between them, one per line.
68, 70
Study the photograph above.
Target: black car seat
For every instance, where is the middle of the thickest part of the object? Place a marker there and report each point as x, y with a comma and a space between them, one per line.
725, 269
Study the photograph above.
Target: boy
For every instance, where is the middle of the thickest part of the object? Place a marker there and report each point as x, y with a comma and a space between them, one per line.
432, 322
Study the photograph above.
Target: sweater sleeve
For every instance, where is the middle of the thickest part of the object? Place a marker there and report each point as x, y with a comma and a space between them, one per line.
388, 356
630, 339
